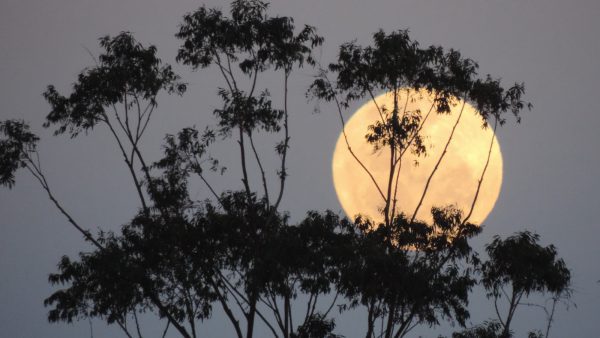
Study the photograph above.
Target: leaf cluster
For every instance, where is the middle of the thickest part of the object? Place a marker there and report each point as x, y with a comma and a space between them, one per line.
397, 64
125, 73
412, 271
16, 145
248, 112
253, 41
249, 37
489, 329
521, 262
179, 258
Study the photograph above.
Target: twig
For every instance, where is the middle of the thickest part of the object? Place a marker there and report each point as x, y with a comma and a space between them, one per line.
487, 162
437, 164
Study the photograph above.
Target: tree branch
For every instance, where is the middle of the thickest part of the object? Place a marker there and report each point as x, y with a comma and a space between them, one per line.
260, 167
487, 162
437, 164
283, 172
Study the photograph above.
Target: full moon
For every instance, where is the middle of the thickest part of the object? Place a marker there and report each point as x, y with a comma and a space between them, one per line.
456, 180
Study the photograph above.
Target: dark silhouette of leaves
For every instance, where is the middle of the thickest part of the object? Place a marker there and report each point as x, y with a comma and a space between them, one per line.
17, 143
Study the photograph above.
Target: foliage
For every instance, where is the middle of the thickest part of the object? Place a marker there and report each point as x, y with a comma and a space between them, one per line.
398, 65
525, 265
411, 271
519, 266
491, 329
317, 327
15, 149
418, 254
178, 258
127, 73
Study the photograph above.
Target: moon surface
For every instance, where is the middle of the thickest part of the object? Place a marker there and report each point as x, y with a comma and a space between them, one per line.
455, 181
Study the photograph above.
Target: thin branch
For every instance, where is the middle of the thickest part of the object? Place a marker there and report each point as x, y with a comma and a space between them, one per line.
156, 301
118, 118
124, 328
135, 148
283, 171
233, 292
139, 117
438, 163
395, 199
266, 302
137, 324
189, 309
91, 328
505, 294
227, 309
550, 316
410, 328
260, 315
231, 72
289, 314
90, 54
42, 179
166, 329
260, 166
246, 314
406, 326
152, 106
487, 162
308, 307
153, 298
274, 310
332, 303
126, 107
352, 152
277, 314
255, 77
498, 311
129, 164
389, 330
414, 136
243, 163
392, 167
223, 71
210, 188
379, 110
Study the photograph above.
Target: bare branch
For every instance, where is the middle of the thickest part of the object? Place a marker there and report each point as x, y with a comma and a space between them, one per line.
352, 152
487, 162
283, 170
137, 324
435, 168
260, 167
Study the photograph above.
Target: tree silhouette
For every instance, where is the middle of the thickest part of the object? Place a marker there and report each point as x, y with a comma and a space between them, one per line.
519, 266
422, 254
491, 329
178, 258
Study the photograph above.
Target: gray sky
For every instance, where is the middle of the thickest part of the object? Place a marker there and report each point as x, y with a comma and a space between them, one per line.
551, 159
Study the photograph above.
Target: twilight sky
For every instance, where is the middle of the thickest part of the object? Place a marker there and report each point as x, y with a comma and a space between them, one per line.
551, 160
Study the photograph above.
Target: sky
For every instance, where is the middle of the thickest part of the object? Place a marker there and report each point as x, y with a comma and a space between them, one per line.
551, 159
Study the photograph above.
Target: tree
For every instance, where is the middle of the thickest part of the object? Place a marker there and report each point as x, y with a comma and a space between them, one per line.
410, 273
491, 329
519, 266
420, 254
178, 258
